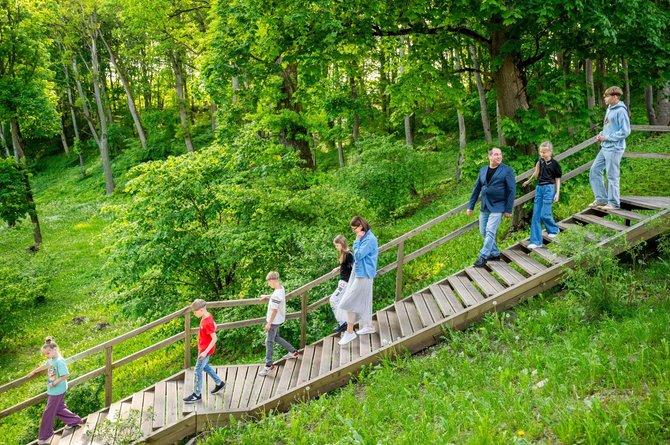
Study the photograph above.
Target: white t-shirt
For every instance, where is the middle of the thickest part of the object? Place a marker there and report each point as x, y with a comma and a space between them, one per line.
277, 301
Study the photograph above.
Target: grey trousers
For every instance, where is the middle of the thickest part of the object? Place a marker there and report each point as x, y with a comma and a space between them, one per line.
272, 338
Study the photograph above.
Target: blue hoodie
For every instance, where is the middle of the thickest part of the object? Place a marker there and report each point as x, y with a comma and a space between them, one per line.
616, 127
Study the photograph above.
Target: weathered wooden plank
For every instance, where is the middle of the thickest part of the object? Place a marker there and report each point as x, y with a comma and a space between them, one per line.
306, 365
252, 374
77, 436
456, 304
546, 254
271, 382
296, 370
364, 345
403, 318
96, 438
172, 404
432, 306
335, 359
124, 412
622, 213
384, 328
231, 376
422, 309
441, 299
413, 314
258, 385
394, 323
88, 430
326, 355
160, 393
593, 219
462, 289
484, 280
239, 387
188, 389
524, 261
375, 340
137, 402
345, 353
146, 424
646, 202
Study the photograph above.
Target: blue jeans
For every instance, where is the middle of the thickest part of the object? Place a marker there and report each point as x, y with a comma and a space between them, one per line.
488, 227
200, 365
610, 161
544, 198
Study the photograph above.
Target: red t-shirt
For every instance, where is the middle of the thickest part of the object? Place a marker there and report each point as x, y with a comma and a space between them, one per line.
207, 328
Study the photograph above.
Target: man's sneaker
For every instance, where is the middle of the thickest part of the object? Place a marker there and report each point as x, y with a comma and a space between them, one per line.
493, 258
193, 398
366, 330
218, 387
346, 338
481, 262
609, 207
291, 355
266, 370
340, 328
597, 203
553, 235
533, 246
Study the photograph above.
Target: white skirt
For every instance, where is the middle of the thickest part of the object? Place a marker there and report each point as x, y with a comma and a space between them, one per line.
357, 298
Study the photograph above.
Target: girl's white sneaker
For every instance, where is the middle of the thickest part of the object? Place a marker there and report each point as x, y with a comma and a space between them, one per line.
347, 338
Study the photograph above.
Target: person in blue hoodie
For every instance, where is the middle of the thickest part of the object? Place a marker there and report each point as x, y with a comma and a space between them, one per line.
497, 187
616, 127
357, 298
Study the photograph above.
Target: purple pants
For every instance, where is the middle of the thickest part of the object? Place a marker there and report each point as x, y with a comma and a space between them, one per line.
56, 408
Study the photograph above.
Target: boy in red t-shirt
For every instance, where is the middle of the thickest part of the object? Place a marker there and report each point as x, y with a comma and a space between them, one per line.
206, 347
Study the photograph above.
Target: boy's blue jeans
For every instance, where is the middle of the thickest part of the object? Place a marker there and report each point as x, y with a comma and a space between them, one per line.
544, 198
200, 365
488, 227
610, 161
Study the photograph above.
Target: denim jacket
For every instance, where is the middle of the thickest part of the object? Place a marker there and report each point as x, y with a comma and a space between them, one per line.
365, 255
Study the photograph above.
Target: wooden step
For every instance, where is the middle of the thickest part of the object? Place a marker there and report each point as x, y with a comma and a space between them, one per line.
484, 280
422, 310
403, 318
646, 202
394, 323
545, 253
465, 290
524, 261
327, 354
306, 365
384, 328
593, 219
506, 272
433, 307
625, 214
413, 314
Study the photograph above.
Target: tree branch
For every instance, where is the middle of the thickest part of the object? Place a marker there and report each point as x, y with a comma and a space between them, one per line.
423, 29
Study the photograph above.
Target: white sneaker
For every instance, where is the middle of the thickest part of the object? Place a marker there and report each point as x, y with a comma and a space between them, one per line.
552, 235
533, 246
609, 207
597, 203
347, 338
266, 370
366, 330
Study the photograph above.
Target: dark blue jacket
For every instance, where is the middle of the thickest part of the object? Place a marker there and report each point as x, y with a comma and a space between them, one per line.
497, 195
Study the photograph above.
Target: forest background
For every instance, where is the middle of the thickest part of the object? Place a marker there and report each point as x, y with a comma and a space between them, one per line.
179, 149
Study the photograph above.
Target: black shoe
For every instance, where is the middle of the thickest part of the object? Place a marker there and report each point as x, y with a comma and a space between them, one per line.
340, 328
481, 262
192, 398
218, 387
493, 258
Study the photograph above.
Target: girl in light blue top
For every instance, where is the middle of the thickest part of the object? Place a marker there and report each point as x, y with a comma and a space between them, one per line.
57, 374
357, 299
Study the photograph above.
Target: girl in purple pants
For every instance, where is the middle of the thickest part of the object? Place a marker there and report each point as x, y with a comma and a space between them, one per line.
57, 374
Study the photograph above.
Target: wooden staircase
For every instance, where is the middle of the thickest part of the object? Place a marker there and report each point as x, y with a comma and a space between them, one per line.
412, 324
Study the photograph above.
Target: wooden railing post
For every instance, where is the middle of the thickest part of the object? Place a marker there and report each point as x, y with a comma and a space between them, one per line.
398, 271
108, 376
187, 339
303, 320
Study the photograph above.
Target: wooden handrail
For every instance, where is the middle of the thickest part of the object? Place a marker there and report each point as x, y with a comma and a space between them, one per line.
306, 308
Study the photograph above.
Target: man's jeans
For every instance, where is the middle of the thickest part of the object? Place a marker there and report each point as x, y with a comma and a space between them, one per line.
544, 198
203, 365
488, 227
610, 161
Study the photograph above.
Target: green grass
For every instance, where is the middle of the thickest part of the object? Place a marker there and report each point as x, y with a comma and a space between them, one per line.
537, 374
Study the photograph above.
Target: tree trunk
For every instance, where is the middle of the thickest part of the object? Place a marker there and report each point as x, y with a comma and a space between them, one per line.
486, 123
626, 84
649, 101
129, 94
84, 105
340, 152
212, 110
179, 87
236, 88
3, 140
73, 115
663, 105
355, 131
590, 88
295, 136
565, 62
104, 147
19, 155
600, 86
461, 124
63, 139
501, 136
408, 124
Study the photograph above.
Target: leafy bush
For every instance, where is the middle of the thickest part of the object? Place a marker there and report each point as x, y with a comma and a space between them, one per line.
13, 192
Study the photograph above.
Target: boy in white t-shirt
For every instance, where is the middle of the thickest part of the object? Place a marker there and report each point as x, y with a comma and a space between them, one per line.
275, 318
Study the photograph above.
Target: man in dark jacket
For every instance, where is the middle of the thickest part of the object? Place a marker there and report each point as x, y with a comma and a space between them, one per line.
497, 187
